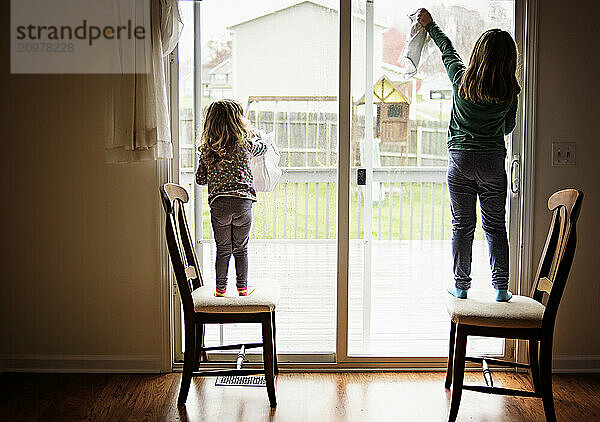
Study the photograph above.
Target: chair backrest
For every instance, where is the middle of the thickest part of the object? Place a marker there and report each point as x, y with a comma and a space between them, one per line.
179, 242
559, 250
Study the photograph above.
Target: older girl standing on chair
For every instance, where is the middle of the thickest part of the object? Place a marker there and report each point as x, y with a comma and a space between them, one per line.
227, 146
484, 107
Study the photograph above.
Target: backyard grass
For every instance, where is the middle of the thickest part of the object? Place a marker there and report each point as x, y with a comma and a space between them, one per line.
309, 211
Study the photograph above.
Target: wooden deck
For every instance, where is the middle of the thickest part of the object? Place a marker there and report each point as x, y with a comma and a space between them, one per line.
409, 281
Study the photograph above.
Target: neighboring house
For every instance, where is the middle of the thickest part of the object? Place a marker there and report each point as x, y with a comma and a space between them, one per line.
394, 41
294, 51
217, 80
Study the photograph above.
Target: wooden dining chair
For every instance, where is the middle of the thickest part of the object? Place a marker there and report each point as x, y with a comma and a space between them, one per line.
528, 318
200, 306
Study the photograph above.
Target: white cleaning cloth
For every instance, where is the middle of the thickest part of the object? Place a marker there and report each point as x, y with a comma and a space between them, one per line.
265, 168
418, 39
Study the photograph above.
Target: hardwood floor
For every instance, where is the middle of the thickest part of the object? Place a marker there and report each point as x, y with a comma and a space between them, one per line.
407, 396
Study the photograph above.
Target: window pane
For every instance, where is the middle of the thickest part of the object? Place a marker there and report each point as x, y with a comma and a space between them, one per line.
279, 60
402, 260
394, 110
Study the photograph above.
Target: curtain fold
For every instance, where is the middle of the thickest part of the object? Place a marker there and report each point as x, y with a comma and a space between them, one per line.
137, 109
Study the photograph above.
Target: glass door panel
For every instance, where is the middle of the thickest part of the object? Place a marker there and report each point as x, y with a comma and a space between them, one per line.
400, 249
279, 59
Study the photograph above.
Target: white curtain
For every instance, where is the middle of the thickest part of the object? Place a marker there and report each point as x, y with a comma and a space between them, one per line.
137, 112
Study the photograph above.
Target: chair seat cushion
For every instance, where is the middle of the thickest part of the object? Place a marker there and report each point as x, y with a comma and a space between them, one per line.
518, 312
264, 298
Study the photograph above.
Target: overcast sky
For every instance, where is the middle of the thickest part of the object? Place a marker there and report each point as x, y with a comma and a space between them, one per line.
219, 14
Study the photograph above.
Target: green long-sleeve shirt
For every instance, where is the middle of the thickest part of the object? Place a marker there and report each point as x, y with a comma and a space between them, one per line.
473, 126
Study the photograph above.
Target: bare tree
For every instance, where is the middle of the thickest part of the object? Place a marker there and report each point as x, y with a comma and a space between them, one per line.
499, 16
359, 7
215, 52
463, 26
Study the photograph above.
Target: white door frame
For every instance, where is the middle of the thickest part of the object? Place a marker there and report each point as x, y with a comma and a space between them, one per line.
528, 38
166, 171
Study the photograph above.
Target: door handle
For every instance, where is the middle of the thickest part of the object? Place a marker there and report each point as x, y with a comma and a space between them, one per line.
515, 170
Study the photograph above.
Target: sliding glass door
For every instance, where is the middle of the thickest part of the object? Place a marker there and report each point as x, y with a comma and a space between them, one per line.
280, 59
400, 222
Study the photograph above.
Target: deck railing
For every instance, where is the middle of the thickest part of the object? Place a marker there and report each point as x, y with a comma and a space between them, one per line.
409, 203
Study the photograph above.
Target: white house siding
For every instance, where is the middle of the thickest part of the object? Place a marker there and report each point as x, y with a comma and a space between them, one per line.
295, 52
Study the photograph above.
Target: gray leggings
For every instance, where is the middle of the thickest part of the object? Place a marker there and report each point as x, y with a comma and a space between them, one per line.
231, 219
472, 175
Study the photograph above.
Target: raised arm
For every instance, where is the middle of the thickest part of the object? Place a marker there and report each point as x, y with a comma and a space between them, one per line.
450, 57
452, 61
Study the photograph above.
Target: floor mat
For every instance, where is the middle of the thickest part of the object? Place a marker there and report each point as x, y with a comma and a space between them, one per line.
244, 381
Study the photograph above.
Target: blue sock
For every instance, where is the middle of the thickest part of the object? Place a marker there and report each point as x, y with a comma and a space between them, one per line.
458, 293
503, 295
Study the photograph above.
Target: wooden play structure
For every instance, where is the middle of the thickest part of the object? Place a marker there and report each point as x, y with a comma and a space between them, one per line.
391, 124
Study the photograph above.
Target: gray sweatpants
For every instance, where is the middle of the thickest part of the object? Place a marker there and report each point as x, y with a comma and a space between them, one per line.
231, 219
472, 175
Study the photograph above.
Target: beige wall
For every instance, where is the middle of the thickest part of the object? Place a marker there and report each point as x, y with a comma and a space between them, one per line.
79, 260
80, 274
568, 109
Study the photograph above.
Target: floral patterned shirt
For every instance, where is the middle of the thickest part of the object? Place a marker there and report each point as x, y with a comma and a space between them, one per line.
231, 177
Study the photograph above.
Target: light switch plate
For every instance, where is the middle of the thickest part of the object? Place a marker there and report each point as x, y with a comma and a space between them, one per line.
563, 153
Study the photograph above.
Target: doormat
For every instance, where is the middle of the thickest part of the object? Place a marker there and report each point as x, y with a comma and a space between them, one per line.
244, 381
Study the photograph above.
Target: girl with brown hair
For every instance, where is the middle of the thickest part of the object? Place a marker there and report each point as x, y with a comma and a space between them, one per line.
484, 108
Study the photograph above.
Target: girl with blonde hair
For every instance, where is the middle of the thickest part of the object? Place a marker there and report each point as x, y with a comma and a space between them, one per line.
227, 146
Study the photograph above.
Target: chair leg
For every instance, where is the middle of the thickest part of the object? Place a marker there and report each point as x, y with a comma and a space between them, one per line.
546, 379
198, 352
203, 357
267, 335
276, 366
450, 354
188, 362
534, 361
459, 372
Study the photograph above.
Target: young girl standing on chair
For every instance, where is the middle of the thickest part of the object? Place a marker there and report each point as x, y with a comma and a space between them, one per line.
227, 146
484, 108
